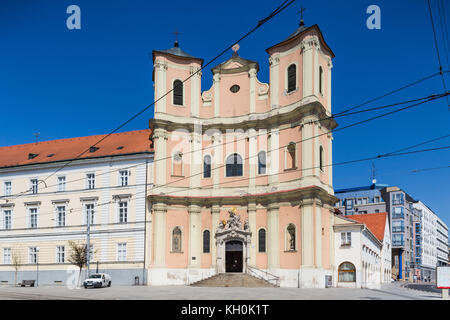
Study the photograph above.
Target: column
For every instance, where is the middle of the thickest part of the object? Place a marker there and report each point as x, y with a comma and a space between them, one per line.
307, 147
195, 236
195, 91
159, 229
159, 139
253, 159
318, 232
216, 79
251, 209
273, 248
274, 62
160, 68
252, 75
215, 213
307, 50
196, 158
273, 153
307, 233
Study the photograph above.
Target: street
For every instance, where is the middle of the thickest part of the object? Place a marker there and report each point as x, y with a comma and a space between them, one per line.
393, 291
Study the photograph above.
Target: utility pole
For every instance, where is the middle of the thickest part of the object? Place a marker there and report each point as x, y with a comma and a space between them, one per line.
88, 244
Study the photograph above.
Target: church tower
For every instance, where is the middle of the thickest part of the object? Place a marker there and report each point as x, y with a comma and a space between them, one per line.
242, 175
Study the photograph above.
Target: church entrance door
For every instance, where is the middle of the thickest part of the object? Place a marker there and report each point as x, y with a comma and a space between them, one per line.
233, 256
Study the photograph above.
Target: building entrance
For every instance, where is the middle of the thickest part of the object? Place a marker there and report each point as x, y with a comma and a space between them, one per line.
233, 256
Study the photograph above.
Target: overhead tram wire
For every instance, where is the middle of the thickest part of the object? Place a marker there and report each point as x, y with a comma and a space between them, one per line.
419, 144
279, 9
134, 198
15, 196
444, 33
429, 169
433, 97
437, 51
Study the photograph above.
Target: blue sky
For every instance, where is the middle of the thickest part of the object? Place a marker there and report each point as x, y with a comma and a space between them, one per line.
67, 83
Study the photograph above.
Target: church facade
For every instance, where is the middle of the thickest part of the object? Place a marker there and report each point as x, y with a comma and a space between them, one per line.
242, 181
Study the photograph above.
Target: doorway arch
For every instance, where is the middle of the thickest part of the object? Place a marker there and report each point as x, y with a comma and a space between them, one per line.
234, 254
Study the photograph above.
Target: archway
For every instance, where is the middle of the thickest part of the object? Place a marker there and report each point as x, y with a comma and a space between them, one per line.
234, 252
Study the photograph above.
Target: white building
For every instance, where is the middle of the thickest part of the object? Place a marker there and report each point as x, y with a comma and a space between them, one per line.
442, 242
48, 191
362, 251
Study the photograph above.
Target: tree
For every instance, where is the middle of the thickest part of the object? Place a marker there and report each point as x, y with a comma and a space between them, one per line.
78, 256
16, 260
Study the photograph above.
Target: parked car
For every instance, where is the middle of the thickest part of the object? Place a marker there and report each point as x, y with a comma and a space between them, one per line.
98, 280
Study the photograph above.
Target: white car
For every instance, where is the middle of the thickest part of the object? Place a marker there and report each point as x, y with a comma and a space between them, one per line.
98, 280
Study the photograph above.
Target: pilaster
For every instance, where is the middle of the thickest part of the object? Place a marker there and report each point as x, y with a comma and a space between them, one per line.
273, 247
159, 231
251, 209
195, 236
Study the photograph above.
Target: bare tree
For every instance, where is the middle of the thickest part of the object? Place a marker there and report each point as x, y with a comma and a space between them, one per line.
78, 256
16, 261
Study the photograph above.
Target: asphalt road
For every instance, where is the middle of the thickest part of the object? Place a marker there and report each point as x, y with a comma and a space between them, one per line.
427, 287
386, 292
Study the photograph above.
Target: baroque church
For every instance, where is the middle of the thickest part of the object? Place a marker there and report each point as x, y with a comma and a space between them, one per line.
241, 175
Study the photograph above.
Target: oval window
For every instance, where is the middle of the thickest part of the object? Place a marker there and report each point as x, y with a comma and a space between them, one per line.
235, 88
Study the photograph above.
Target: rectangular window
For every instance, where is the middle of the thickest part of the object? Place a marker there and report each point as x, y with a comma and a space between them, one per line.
398, 226
397, 240
6, 255
33, 218
121, 252
61, 216
34, 186
7, 219
89, 210
398, 213
32, 255
346, 238
397, 198
123, 211
8, 188
376, 199
348, 204
123, 177
61, 183
60, 250
90, 183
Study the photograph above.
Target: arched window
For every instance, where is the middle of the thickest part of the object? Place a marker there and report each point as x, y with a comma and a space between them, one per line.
262, 240
234, 165
321, 158
292, 78
347, 272
207, 166
206, 241
320, 79
177, 163
290, 237
178, 92
176, 240
290, 156
262, 162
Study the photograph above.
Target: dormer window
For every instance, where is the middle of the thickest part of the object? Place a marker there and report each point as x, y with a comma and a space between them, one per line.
32, 155
291, 78
93, 149
178, 92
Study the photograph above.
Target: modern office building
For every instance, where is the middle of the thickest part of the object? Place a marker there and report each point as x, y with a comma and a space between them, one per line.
442, 247
361, 200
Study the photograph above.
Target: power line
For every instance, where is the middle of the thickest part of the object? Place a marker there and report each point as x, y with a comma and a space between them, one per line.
280, 8
422, 143
433, 97
443, 32
437, 51
428, 169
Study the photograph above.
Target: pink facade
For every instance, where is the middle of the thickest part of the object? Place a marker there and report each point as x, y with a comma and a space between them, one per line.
259, 150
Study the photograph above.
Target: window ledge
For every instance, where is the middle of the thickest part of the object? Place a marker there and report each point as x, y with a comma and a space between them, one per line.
287, 251
291, 169
176, 252
176, 176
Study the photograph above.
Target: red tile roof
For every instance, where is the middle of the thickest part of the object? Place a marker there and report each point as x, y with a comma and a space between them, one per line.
376, 222
123, 143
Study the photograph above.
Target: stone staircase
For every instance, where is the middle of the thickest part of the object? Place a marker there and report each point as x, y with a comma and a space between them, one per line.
233, 280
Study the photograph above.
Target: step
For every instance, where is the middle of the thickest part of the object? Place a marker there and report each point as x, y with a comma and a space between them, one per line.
233, 280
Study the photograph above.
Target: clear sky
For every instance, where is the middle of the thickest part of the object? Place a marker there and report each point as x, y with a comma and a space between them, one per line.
67, 83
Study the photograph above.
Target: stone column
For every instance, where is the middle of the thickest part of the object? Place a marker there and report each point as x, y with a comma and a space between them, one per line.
159, 229
273, 248
307, 51
318, 232
160, 139
195, 236
160, 68
195, 91
307, 233
216, 79
251, 209
252, 75
274, 62
215, 213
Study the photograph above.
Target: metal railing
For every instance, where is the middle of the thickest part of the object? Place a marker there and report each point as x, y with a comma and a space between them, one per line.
264, 275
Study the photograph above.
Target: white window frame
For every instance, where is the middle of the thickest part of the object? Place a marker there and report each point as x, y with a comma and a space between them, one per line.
86, 213
89, 180
7, 256
346, 238
121, 251
126, 202
30, 215
61, 186
60, 254
7, 185
5, 226
124, 175
34, 187
57, 216
33, 252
